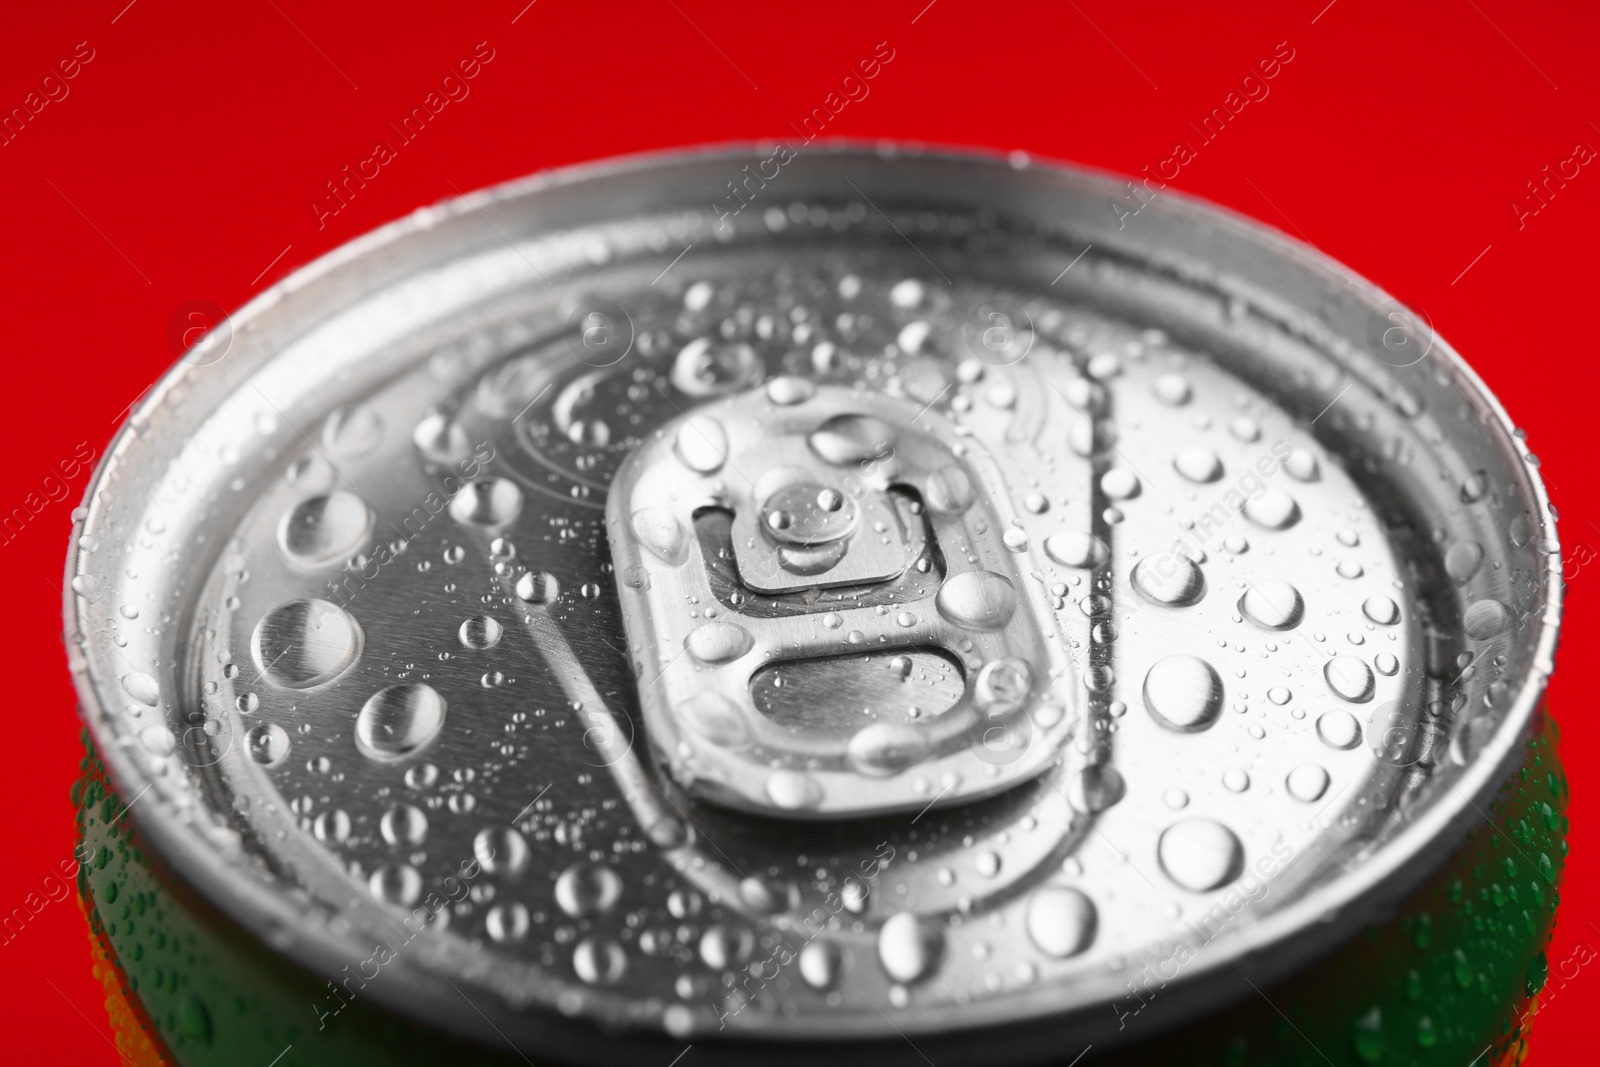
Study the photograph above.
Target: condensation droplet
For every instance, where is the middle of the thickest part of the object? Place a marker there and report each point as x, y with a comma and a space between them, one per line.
1485, 618
976, 600
501, 851
1200, 854
660, 531
819, 964
1172, 389
885, 749
718, 642
1198, 464
1183, 693
852, 438
1060, 921
1272, 605
1302, 466
507, 922
487, 502
397, 884
586, 889
1169, 579
1462, 560
305, 643
324, 529
1120, 483
909, 947
403, 825
480, 632
1349, 678
538, 587
1274, 509
1307, 782
1381, 610
1339, 729
1071, 548
399, 721
793, 790
949, 491
267, 743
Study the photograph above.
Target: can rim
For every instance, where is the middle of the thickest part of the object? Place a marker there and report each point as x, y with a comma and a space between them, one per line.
1386, 874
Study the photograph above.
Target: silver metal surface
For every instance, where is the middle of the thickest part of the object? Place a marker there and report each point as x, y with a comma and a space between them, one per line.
914, 609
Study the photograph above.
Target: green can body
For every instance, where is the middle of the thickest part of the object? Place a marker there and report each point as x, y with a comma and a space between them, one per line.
1453, 978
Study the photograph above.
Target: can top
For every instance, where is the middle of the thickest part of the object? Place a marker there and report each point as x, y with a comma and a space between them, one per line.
717, 594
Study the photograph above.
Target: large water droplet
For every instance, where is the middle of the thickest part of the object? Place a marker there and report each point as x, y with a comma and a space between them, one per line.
715, 718
659, 530
1172, 389
305, 643
1071, 548
724, 946
331, 827
1485, 618
702, 444
1273, 509
1119, 483
160, 741
324, 529
819, 964
267, 743
1381, 610
949, 491
1060, 921
909, 947
884, 749
1002, 685
710, 367
1200, 854
1349, 677
399, 721
793, 790
1245, 428
1462, 559
441, 439
538, 587
1198, 464
1302, 466
1095, 788
599, 961
768, 894
1169, 579
788, 390
404, 826
976, 600
1183, 693
141, 687
718, 642
480, 632
507, 922
852, 439
586, 889
398, 884
1339, 729
352, 431
1273, 605
1307, 782
487, 502
501, 850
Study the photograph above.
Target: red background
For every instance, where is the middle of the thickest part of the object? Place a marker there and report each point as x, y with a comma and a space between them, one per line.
183, 164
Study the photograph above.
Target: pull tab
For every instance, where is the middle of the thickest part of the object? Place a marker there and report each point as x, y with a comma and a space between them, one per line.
808, 533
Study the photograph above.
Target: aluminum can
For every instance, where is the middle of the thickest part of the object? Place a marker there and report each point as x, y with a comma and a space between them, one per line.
750, 604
